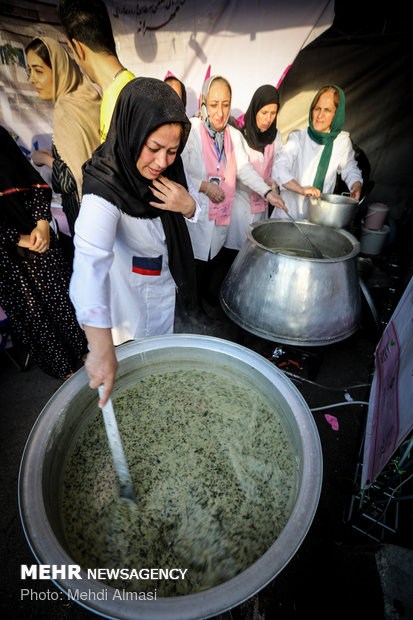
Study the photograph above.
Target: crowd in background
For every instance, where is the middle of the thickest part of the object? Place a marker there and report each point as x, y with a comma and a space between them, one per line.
155, 203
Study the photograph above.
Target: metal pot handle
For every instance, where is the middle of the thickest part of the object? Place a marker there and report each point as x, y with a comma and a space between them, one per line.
349, 195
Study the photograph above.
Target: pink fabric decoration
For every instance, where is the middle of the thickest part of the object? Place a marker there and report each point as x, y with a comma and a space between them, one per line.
207, 75
332, 420
169, 74
241, 121
220, 211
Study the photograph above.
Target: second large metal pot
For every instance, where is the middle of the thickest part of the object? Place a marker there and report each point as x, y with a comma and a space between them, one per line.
333, 210
276, 292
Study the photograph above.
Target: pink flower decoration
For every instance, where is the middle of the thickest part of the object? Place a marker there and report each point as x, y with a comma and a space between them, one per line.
241, 121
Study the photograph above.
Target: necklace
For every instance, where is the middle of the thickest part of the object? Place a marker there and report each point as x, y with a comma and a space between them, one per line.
118, 73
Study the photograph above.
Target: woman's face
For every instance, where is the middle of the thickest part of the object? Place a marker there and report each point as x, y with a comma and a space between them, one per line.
266, 116
323, 112
218, 104
41, 76
159, 150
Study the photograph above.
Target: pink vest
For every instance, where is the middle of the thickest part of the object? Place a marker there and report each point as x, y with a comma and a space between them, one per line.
221, 211
264, 168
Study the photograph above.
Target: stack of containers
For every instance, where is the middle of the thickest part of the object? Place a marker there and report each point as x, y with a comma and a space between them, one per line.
374, 231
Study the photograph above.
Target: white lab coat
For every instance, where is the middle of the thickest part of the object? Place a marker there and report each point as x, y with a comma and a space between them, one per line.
241, 214
207, 238
104, 289
298, 159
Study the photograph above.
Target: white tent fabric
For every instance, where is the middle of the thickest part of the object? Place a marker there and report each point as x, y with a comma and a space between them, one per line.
249, 43
369, 54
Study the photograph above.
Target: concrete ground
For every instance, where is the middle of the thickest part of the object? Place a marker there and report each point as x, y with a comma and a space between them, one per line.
338, 571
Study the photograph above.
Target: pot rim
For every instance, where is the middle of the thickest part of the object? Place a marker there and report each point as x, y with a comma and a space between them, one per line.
42, 539
336, 199
282, 221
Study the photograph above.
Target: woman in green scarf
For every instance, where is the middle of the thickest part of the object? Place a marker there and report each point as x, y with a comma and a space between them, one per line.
309, 162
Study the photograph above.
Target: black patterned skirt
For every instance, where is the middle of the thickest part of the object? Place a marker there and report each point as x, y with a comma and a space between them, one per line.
34, 295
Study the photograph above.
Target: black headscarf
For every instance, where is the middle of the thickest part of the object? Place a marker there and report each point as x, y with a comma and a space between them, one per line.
17, 172
256, 139
143, 105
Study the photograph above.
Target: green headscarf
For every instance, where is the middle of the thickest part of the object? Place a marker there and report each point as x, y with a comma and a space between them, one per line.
328, 138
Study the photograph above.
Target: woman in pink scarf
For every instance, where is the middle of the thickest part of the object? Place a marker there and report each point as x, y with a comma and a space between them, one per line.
214, 158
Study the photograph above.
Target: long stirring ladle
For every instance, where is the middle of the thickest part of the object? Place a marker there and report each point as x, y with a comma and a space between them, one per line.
314, 249
115, 444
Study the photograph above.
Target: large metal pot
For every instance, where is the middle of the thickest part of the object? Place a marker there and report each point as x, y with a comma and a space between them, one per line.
64, 418
334, 210
294, 299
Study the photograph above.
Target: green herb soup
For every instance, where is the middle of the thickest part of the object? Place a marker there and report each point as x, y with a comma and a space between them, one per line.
213, 474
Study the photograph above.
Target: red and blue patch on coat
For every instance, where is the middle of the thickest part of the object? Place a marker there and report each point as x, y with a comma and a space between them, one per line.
147, 265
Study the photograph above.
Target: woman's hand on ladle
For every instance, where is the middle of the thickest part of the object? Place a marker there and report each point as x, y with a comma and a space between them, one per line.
101, 363
276, 201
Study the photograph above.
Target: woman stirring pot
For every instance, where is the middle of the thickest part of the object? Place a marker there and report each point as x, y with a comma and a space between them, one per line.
132, 248
311, 158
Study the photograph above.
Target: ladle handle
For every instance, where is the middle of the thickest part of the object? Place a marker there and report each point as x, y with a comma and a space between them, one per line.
314, 249
116, 448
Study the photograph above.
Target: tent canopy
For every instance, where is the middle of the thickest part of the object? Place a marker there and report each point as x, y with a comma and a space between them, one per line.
363, 47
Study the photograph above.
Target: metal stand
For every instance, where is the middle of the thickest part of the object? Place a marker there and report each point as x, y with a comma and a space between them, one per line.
375, 511
299, 360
